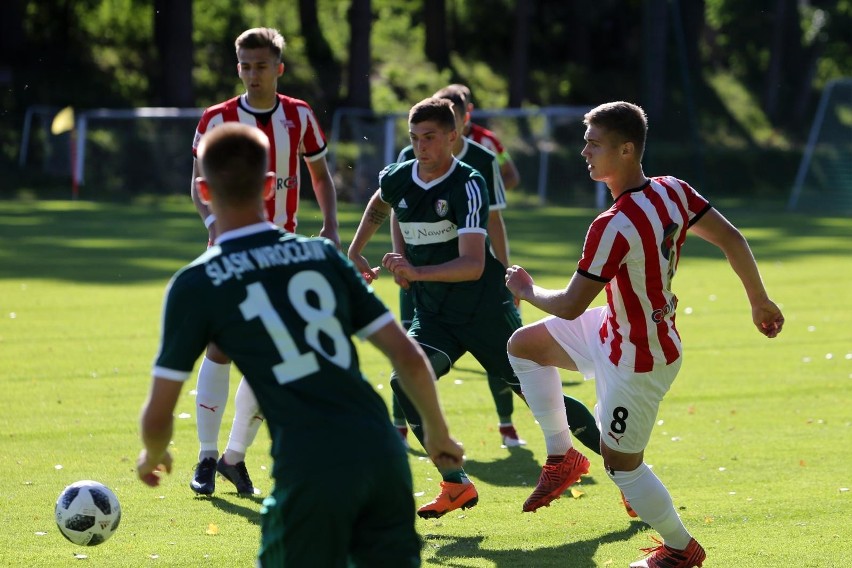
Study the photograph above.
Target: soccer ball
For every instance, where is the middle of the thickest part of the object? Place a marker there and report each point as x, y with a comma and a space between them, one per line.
87, 512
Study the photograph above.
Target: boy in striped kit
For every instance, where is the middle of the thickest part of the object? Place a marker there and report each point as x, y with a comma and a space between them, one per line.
293, 133
631, 346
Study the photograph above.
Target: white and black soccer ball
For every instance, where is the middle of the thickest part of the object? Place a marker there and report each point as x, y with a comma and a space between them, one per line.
87, 512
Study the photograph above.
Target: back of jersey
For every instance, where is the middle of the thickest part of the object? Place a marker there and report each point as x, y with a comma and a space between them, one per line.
283, 308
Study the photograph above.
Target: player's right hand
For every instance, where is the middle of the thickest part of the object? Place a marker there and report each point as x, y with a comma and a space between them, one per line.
518, 281
148, 472
444, 451
768, 318
362, 266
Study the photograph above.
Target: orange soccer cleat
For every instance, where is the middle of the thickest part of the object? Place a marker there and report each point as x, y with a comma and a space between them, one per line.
557, 474
662, 556
452, 496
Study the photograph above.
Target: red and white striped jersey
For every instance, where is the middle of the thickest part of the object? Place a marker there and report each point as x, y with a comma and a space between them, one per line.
634, 247
292, 130
482, 135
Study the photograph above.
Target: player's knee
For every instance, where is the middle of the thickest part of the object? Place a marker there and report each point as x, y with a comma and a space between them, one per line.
519, 344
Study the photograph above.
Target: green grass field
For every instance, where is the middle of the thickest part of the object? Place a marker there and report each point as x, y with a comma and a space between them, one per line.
753, 440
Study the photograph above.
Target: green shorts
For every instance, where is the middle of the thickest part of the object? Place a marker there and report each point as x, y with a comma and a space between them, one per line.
360, 515
485, 338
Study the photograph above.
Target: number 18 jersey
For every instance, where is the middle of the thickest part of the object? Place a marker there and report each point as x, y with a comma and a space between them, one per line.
283, 308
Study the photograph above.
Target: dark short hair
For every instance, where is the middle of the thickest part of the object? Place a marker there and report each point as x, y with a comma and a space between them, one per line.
626, 120
234, 159
456, 96
257, 38
433, 109
468, 97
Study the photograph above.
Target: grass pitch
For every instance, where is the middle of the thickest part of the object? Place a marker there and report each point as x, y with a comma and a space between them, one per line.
753, 439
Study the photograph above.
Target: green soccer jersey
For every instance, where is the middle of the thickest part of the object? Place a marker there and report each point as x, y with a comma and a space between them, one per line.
482, 160
431, 217
284, 308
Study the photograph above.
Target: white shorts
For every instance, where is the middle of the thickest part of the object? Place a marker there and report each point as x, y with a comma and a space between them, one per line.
628, 402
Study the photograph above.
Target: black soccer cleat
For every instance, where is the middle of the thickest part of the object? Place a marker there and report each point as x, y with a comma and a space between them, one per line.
236, 474
204, 480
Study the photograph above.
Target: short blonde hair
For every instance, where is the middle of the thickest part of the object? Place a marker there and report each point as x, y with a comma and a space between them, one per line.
257, 38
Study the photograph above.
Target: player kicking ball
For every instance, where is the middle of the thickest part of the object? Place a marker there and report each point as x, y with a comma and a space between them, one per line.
630, 346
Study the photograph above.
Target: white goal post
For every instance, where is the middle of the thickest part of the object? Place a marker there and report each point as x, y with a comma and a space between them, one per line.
824, 178
86, 116
148, 149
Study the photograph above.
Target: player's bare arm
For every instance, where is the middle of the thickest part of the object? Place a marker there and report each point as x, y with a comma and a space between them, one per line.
326, 198
200, 206
418, 381
567, 304
157, 424
509, 173
497, 235
467, 266
714, 228
398, 243
375, 214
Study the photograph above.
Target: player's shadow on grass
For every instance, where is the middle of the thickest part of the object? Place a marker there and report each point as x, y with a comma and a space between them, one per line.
517, 469
251, 509
579, 554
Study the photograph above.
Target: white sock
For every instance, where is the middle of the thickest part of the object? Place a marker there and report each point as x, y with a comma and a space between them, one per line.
210, 401
542, 390
652, 502
247, 421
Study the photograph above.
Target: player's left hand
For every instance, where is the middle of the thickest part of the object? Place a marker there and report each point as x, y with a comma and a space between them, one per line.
148, 472
399, 266
402, 282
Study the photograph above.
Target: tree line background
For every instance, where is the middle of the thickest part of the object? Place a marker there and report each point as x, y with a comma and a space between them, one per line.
730, 87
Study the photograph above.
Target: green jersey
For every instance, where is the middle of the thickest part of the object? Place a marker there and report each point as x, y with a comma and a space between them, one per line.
431, 216
283, 308
481, 159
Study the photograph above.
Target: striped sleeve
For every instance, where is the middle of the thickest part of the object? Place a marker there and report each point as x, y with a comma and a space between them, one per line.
475, 218
604, 249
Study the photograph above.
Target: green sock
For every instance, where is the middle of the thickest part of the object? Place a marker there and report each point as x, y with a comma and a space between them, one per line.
455, 476
582, 423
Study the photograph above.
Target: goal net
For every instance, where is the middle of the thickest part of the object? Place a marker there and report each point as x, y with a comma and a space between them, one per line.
824, 178
114, 151
148, 151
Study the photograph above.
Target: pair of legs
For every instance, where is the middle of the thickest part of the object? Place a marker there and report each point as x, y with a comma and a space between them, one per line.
485, 339
211, 398
304, 524
501, 392
626, 411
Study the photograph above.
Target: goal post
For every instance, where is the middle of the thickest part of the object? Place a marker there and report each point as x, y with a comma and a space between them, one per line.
824, 178
148, 150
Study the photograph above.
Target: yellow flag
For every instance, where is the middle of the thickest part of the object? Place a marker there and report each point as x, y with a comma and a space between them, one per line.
63, 121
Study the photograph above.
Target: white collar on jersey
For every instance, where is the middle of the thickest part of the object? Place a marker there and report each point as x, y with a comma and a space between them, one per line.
460, 156
430, 184
244, 231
